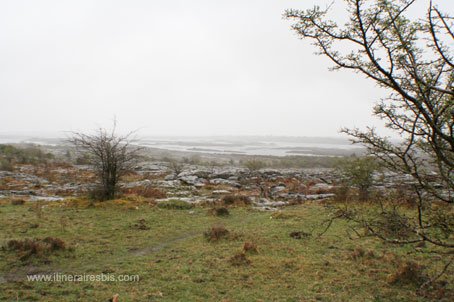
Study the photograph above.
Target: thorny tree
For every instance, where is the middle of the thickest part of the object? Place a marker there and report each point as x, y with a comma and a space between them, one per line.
412, 60
110, 154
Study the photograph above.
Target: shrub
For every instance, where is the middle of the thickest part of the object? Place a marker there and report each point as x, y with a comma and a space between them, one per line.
153, 193
361, 253
393, 224
141, 225
146, 192
193, 160
358, 172
55, 244
358, 253
17, 202
239, 260
254, 164
111, 156
35, 247
24, 155
216, 233
5, 165
408, 273
96, 193
299, 235
220, 211
250, 247
236, 200
83, 160
175, 204
342, 192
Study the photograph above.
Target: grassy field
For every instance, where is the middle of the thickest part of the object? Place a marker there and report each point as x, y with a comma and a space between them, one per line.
175, 262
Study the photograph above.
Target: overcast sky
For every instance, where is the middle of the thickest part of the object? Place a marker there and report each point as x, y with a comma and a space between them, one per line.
199, 67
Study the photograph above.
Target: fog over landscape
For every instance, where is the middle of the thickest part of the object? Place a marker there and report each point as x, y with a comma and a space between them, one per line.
170, 68
173, 69
241, 145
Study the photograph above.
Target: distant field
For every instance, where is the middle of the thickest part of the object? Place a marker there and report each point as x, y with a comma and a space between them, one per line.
175, 262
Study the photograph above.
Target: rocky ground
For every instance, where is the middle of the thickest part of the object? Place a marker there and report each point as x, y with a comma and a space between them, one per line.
266, 189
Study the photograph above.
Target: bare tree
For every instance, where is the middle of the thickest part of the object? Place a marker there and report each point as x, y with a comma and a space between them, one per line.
111, 156
176, 166
413, 61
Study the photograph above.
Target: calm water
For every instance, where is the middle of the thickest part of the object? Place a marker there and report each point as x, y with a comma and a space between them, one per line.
276, 146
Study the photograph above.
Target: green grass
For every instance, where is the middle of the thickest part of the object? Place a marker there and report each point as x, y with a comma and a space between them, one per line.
175, 204
176, 263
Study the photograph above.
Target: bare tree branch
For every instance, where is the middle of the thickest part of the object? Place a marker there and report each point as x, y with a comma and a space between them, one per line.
111, 156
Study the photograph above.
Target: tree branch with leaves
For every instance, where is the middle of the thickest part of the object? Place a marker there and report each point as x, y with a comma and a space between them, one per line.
412, 59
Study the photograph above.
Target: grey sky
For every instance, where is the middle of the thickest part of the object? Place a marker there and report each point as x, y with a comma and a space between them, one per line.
195, 67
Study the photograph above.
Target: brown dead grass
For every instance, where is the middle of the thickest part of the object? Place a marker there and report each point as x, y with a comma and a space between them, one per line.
219, 211
146, 192
408, 272
300, 235
217, 233
35, 247
17, 201
236, 200
359, 253
250, 247
239, 259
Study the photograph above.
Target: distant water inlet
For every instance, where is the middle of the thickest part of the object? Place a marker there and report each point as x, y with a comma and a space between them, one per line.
247, 145
266, 146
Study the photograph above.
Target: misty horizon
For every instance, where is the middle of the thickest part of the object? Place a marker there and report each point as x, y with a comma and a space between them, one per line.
220, 145
173, 69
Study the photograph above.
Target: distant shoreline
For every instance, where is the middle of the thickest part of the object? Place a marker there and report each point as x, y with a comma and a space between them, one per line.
226, 145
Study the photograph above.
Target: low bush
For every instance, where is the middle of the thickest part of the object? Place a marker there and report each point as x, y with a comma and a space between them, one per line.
55, 244
240, 260
236, 200
175, 204
358, 172
255, 164
299, 235
35, 247
6, 165
393, 224
250, 247
216, 233
408, 273
141, 225
17, 202
361, 253
219, 212
146, 192
29, 154
96, 193
153, 193
343, 192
